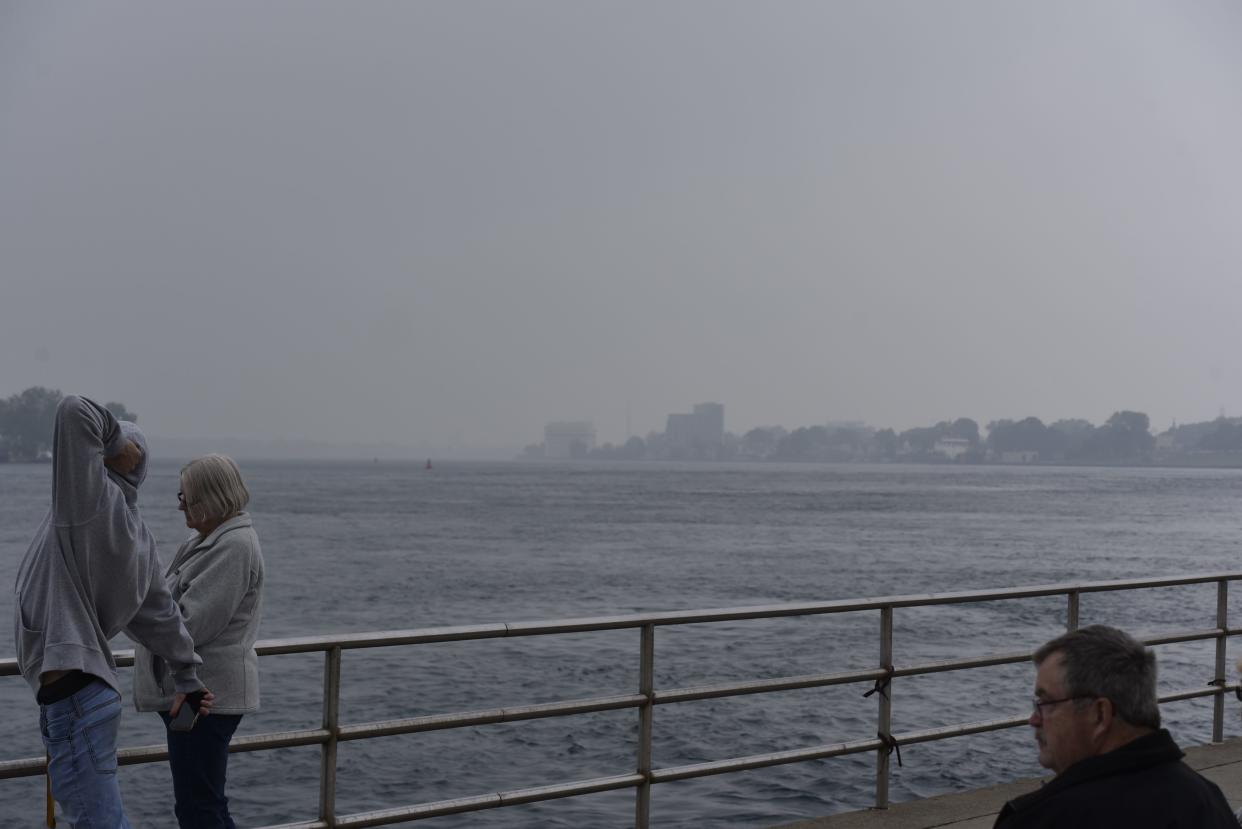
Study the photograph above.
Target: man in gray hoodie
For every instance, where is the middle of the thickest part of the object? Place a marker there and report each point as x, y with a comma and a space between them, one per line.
91, 572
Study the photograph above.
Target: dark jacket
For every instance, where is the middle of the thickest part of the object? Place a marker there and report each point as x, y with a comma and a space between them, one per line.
1142, 785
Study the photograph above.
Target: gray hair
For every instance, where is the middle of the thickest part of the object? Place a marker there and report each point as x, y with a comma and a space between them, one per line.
1102, 661
213, 489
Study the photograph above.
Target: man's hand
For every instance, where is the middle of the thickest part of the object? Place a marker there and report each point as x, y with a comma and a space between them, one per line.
127, 460
204, 703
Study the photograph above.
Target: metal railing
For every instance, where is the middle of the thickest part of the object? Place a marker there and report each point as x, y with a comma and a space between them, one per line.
647, 696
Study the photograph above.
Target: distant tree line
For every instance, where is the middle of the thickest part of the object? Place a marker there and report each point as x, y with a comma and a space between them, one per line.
1125, 438
27, 420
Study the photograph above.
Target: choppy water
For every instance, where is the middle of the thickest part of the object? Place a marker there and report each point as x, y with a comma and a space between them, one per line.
377, 546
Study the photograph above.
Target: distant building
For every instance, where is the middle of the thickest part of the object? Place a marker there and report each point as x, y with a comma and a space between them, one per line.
568, 439
699, 434
713, 420
952, 448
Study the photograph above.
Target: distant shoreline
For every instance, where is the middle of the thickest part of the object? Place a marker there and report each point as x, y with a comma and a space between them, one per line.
1207, 462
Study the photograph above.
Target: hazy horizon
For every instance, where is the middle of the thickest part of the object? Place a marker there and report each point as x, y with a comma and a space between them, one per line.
292, 448
446, 224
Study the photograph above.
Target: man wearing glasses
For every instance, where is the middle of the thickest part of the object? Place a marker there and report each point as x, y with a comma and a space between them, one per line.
1097, 724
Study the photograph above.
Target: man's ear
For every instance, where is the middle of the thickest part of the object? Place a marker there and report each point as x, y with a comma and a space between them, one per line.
1102, 715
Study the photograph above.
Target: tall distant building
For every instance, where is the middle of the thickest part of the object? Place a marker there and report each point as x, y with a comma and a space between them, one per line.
568, 439
712, 415
699, 434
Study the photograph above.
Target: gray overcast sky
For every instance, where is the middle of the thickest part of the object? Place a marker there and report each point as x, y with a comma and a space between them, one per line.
450, 222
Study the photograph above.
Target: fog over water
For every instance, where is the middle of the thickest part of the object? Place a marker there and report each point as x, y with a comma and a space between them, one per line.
444, 224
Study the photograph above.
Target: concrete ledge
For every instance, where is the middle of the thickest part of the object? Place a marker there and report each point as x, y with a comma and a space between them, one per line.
977, 809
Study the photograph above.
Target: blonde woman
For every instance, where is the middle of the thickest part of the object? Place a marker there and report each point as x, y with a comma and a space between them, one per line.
217, 579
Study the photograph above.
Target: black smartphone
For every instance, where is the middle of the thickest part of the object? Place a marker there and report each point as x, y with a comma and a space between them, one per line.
188, 714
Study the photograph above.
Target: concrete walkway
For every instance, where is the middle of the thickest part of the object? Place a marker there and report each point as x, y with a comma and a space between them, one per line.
1222, 764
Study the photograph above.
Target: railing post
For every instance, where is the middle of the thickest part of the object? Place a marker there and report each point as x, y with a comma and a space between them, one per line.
646, 687
1071, 612
331, 724
51, 803
885, 723
1222, 624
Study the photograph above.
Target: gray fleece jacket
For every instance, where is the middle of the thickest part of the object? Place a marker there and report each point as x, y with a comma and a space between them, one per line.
91, 570
218, 582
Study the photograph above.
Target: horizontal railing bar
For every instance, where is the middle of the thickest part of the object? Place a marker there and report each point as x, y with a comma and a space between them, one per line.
850, 605
8, 665
514, 797
23, 767
760, 686
34, 766
791, 683
379, 639
943, 666
535, 794
1173, 637
137, 755
403, 814
756, 761
433, 722
927, 735
930, 734
1196, 693
1024, 656
279, 739
446, 634
251, 742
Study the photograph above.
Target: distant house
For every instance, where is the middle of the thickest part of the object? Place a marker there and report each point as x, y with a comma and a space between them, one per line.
951, 448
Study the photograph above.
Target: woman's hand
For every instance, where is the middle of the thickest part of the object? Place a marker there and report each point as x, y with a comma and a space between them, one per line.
204, 697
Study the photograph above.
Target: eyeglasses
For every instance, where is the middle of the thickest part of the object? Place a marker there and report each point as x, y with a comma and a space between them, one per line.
181, 498
1037, 704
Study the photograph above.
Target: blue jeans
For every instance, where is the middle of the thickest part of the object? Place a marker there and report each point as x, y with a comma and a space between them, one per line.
80, 736
199, 760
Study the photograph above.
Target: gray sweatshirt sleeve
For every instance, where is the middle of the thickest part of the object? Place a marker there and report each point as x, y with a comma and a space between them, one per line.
159, 628
85, 433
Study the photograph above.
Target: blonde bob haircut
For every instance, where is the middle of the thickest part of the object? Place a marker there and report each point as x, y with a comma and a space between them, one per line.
213, 489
